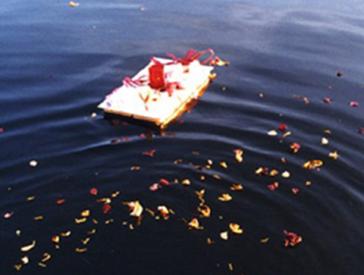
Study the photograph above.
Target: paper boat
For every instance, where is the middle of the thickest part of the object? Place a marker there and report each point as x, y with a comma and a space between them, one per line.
138, 99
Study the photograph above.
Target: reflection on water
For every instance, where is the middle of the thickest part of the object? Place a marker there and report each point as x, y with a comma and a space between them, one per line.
59, 62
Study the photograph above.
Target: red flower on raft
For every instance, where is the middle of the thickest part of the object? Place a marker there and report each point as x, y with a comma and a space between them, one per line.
157, 77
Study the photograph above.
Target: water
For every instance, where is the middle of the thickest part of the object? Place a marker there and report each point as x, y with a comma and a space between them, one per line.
57, 63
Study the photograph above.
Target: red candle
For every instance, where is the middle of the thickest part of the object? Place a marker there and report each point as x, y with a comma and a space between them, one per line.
156, 76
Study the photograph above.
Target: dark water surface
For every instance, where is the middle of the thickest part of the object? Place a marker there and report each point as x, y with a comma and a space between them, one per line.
58, 62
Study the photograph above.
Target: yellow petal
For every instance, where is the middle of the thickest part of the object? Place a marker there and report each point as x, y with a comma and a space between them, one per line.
195, 224
236, 187
28, 247
224, 235
204, 210
238, 155
312, 164
225, 197
235, 228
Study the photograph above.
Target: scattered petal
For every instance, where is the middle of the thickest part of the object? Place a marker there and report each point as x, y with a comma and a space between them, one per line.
272, 133
264, 240
273, 186
195, 224
154, 187
94, 191
324, 141
163, 211
282, 127
295, 147
149, 153
8, 215
235, 228
60, 201
239, 155
135, 208
73, 4
273, 172
28, 247
313, 164
327, 100
186, 182
295, 190
223, 164
286, 174
33, 163
164, 182
225, 197
81, 249
334, 155
25, 260
236, 187
224, 235
106, 208
85, 213
46, 257
56, 239
204, 210
354, 104
291, 239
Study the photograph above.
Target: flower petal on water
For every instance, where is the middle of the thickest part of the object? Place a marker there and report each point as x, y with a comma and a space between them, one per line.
28, 247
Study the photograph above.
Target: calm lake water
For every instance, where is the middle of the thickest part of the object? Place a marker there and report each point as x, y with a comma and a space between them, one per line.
299, 63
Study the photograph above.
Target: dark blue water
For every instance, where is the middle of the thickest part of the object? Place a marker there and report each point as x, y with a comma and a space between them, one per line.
58, 62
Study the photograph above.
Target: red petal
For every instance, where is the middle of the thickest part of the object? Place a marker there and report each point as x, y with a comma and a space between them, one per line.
106, 208
282, 127
149, 153
273, 186
163, 181
295, 190
327, 100
60, 201
354, 104
154, 187
94, 191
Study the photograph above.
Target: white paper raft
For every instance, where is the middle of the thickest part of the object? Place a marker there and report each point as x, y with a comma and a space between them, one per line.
160, 108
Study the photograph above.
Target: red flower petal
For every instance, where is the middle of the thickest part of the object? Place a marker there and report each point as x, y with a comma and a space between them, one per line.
106, 208
2, 130
327, 100
149, 153
282, 127
8, 215
164, 182
354, 104
94, 191
291, 239
60, 201
154, 187
273, 186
